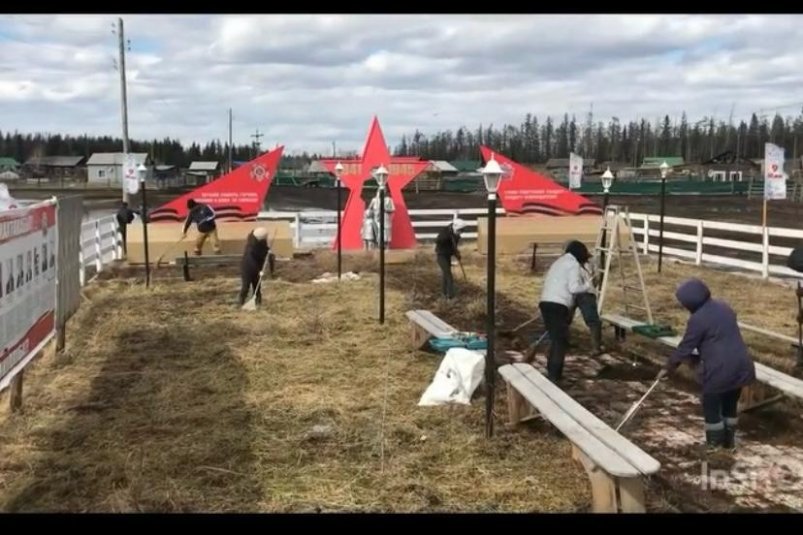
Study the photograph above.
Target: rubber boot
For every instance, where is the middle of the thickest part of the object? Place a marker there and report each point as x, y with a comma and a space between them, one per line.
729, 441
596, 340
715, 438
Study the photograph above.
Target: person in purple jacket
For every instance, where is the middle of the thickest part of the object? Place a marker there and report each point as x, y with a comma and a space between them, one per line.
723, 362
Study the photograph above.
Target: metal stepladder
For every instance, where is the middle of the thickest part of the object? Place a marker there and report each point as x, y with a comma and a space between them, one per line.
609, 244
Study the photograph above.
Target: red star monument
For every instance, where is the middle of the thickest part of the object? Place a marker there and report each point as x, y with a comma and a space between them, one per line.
401, 170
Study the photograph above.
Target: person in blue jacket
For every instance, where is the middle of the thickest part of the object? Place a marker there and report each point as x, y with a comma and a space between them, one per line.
723, 362
205, 220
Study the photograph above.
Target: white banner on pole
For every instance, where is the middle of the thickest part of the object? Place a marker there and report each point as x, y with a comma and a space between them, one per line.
130, 174
774, 177
575, 171
28, 250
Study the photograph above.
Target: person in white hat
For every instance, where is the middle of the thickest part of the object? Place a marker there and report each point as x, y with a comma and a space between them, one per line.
445, 249
256, 251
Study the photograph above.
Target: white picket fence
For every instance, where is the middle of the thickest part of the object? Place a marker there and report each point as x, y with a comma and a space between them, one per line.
694, 244
100, 241
100, 245
316, 228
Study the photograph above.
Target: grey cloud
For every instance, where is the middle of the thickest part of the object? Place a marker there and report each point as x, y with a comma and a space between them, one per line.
306, 80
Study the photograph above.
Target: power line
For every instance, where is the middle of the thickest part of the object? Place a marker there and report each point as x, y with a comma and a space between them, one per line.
257, 136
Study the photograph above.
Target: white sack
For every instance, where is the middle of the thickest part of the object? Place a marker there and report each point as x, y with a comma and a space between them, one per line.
459, 374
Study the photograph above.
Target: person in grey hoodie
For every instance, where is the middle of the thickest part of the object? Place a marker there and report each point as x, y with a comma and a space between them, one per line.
723, 362
562, 284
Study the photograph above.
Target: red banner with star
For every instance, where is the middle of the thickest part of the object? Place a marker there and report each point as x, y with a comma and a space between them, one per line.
236, 196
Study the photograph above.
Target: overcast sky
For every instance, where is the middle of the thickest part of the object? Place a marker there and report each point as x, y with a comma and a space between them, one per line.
308, 80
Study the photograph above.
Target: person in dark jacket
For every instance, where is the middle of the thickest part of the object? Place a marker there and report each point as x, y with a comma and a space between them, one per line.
204, 218
445, 248
124, 216
256, 251
723, 362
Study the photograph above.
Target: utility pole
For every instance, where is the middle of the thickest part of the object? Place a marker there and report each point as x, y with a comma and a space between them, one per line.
231, 161
590, 132
123, 98
257, 143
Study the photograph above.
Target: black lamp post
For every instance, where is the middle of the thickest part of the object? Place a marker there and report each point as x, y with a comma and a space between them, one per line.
142, 171
338, 174
799, 294
664, 171
607, 182
492, 174
381, 176
795, 262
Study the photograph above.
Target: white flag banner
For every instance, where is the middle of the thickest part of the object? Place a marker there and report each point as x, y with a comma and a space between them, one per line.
774, 177
575, 171
130, 174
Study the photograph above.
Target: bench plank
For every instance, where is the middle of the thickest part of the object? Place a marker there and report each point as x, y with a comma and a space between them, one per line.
767, 332
209, 259
431, 323
775, 378
585, 441
621, 321
643, 462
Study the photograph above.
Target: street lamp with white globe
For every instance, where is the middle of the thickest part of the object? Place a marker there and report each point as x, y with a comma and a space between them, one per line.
142, 174
381, 176
607, 182
664, 171
492, 175
338, 175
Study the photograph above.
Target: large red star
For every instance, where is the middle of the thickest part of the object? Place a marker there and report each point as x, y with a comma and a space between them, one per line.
401, 170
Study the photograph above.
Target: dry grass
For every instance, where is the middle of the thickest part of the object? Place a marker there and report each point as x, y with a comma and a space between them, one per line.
174, 400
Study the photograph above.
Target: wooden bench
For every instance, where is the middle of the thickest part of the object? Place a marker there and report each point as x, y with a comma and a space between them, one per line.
208, 260
615, 466
766, 332
425, 325
754, 396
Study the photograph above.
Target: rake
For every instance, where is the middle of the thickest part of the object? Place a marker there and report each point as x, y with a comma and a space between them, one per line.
635, 407
159, 260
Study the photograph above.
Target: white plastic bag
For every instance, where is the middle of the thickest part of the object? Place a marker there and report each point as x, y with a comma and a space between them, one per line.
459, 374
